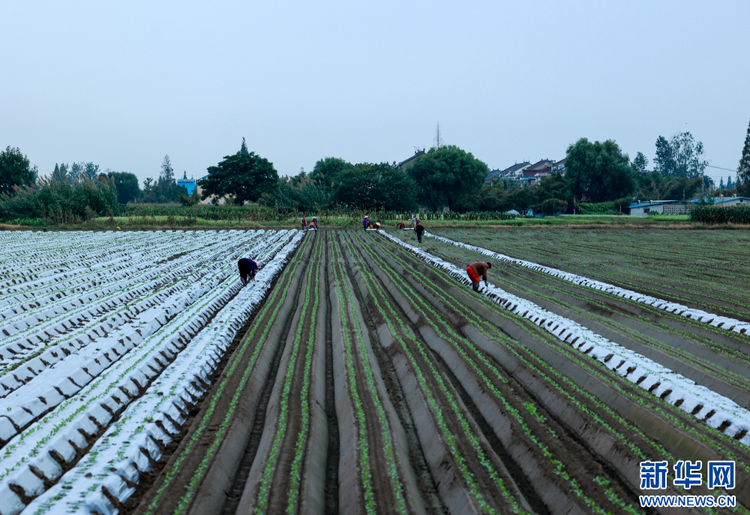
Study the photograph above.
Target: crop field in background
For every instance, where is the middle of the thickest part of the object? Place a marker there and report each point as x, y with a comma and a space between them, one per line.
359, 373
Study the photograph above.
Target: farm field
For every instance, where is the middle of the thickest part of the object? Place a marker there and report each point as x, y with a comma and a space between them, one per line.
705, 269
360, 374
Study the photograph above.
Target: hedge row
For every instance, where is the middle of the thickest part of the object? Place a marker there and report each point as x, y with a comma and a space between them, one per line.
720, 215
266, 214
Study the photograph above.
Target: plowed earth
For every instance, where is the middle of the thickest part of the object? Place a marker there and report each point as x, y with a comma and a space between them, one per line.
369, 381
383, 385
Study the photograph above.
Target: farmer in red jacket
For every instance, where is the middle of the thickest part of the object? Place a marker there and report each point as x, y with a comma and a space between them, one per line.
475, 270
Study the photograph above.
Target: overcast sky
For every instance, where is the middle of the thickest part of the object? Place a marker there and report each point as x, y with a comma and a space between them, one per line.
124, 83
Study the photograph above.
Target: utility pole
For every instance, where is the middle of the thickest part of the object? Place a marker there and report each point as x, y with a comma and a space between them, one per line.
438, 141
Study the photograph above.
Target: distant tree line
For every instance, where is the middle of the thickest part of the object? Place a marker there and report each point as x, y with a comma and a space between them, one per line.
77, 192
68, 195
446, 178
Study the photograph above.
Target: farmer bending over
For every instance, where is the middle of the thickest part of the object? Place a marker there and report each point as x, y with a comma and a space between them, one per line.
478, 269
248, 267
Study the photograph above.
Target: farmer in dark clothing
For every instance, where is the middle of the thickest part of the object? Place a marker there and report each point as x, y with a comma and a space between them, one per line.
475, 270
366, 222
419, 229
304, 222
248, 267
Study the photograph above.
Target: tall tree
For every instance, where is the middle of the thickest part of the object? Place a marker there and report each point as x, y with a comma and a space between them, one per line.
599, 171
328, 170
375, 186
664, 160
15, 170
680, 157
61, 173
438, 139
126, 185
76, 170
91, 171
166, 176
743, 169
554, 187
447, 176
640, 163
245, 176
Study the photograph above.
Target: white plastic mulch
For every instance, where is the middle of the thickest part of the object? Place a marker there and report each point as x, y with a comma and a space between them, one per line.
638, 369
727, 323
202, 326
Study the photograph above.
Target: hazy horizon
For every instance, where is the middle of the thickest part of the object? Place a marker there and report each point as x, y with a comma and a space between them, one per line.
124, 85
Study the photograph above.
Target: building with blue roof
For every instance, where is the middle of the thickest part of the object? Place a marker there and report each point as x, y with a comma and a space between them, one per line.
662, 207
188, 183
681, 207
728, 201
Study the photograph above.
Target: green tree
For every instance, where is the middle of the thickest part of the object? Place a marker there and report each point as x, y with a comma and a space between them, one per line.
244, 176
166, 188
679, 188
489, 198
447, 176
298, 193
190, 200
328, 170
61, 173
523, 199
82, 170
599, 171
743, 169
126, 185
15, 170
76, 169
375, 186
648, 185
640, 163
680, 157
91, 171
58, 201
665, 159
554, 187
552, 206
166, 176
